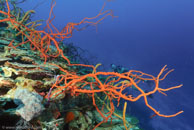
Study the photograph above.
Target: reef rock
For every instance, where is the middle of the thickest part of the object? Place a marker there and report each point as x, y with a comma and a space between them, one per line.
29, 103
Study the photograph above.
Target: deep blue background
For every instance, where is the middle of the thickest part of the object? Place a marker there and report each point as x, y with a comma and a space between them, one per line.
147, 35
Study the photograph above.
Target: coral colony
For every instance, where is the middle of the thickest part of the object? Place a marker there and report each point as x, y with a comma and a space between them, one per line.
41, 87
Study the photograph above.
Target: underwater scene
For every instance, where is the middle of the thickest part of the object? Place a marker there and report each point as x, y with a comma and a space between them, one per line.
96, 64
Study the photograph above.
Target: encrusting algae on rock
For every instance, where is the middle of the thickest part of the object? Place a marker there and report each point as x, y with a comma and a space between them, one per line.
46, 89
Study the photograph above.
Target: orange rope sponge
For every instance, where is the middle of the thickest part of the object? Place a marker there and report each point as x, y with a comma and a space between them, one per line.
113, 87
43, 39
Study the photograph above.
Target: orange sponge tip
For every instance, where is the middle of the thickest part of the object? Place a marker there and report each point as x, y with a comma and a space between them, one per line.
69, 117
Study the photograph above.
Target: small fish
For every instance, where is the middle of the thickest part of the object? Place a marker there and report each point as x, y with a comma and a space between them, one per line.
118, 68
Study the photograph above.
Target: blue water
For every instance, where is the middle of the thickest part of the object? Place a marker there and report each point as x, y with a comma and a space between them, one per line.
146, 35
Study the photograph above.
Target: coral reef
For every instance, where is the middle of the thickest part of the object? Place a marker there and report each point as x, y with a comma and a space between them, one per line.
43, 87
